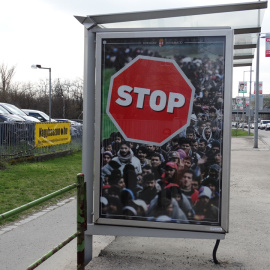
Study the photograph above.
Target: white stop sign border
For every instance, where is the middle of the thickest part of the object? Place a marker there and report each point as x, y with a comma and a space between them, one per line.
159, 60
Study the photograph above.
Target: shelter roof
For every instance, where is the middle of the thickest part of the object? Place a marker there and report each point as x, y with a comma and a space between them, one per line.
244, 18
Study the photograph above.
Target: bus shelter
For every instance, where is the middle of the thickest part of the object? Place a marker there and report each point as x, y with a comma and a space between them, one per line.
150, 79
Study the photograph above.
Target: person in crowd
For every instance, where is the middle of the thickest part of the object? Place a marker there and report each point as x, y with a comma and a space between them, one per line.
149, 169
175, 144
157, 165
150, 190
187, 163
202, 147
106, 157
207, 135
170, 174
116, 179
218, 158
205, 211
190, 133
185, 184
163, 154
141, 154
216, 132
213, 172
185, 144
213, 117
114, 207
150, 151
162, 205
213, 184
125, 156
174, 157
116, 143
173, 191
194, 145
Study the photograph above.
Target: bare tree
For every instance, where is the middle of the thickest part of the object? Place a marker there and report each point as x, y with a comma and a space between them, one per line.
6, 75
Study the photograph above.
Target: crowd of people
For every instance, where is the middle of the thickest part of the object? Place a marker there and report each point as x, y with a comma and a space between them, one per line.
179, 182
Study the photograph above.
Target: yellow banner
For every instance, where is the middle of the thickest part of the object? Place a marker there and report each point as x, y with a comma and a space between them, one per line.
48, 134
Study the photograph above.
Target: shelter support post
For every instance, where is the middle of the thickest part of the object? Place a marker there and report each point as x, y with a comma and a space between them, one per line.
88, 132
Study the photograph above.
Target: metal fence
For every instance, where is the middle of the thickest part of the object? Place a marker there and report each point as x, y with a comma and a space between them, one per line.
81, 221
17, 140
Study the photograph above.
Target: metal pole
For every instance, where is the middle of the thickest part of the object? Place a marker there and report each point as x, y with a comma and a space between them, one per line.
257, 95
243, 115
249, 111
89, 131
50, 96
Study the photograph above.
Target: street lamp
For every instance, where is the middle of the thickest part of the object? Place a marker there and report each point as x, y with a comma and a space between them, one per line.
256, 115
50, 89
249, 111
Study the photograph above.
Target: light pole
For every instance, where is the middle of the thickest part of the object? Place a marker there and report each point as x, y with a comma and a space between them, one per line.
256, 115
50, 89
249, 111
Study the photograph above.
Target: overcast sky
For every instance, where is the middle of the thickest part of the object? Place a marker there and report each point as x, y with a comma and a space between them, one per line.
45, 32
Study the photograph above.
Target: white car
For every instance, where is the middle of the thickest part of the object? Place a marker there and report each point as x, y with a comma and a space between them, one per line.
267, 126
13, 110
263, 124
41, 116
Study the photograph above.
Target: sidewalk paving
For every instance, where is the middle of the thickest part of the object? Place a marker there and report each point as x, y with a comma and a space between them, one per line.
246, 246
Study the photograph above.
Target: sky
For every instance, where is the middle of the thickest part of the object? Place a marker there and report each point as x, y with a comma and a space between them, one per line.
45, 32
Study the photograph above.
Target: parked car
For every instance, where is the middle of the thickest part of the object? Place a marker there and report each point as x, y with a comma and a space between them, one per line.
6, 117
75, 127
41, 116
267, 126
12, 127
263, 124
252, 125
13, 110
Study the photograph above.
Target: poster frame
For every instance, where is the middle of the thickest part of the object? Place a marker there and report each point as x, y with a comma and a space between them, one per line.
141, 33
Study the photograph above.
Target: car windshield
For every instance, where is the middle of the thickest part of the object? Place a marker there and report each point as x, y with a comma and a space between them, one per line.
3, 111
44, 115
15, 110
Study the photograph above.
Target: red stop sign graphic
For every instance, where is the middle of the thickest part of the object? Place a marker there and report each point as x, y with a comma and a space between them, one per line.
150, 100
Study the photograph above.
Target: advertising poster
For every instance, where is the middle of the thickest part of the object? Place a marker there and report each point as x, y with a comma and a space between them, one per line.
234, 105
242, 87
261, 101
260, 88
161, 137
267, 46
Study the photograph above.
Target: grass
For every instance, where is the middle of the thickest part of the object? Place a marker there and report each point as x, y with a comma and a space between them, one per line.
238, 132
25, 182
